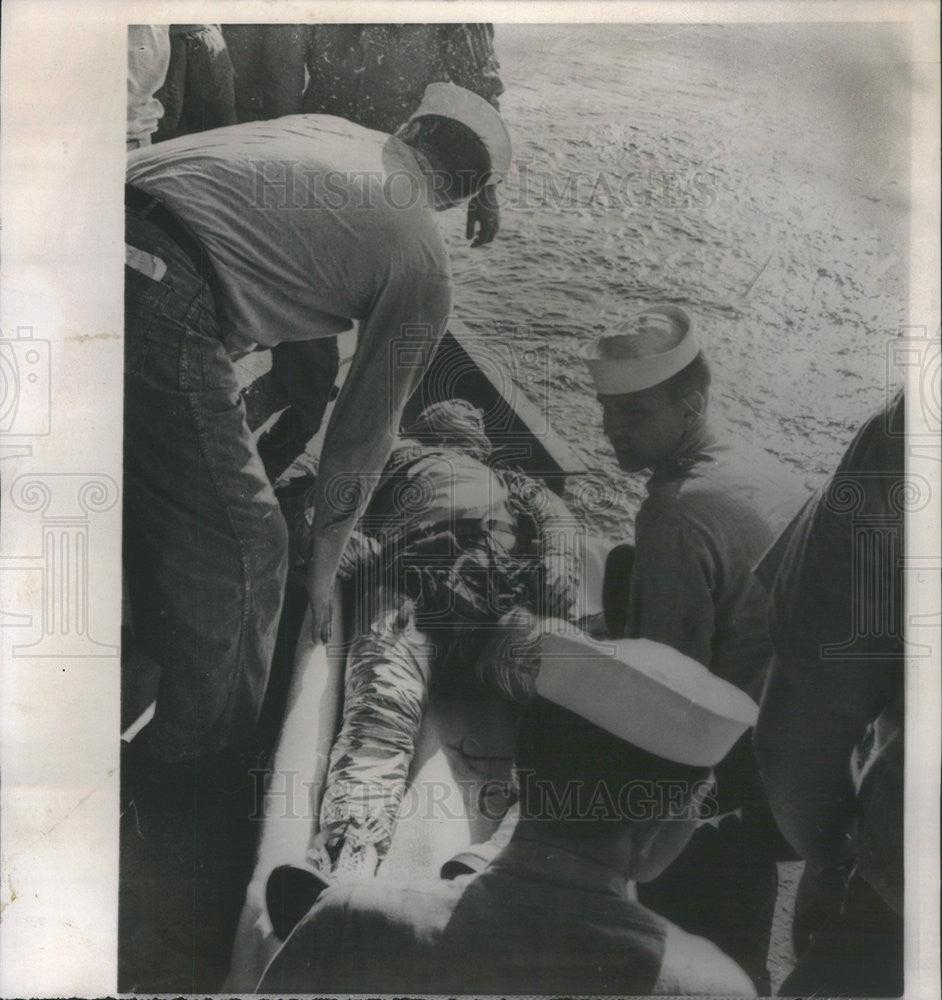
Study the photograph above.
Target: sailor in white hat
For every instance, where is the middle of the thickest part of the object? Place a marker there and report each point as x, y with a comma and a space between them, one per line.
649, 411
281, 231
462, 141
614, 759
448, 100
711, 511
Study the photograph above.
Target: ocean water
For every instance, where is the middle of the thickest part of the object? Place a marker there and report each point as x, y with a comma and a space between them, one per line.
756, 175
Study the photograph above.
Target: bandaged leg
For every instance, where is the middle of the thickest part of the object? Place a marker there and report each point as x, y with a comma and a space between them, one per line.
385, 694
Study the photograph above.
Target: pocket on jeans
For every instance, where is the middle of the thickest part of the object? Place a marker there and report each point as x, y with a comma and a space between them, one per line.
144, 300
142, 294
207, 365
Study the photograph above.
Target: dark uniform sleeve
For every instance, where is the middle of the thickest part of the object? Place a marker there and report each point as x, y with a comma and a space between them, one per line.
469, 57
284, 55
198, 94
836, 573
670, 597
269, 65
838, 667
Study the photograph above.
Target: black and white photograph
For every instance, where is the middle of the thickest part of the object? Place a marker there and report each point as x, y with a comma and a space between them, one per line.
501, 554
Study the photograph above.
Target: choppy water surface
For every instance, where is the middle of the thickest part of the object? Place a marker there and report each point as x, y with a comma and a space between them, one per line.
754, 174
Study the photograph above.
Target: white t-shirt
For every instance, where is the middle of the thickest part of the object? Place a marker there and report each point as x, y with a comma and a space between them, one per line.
148, 59
311, 222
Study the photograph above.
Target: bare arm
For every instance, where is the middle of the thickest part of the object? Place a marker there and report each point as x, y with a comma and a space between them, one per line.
394, 347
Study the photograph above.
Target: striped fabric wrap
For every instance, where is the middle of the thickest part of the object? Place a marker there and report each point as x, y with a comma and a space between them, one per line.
385, 692
465, 560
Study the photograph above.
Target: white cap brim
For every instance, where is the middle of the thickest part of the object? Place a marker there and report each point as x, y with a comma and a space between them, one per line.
592, 583
617, 376
645, 693
451, 101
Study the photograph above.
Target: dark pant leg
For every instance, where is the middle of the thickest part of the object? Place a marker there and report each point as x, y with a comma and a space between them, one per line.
723, 887
305, 372
858, 952
204, 541
209, 97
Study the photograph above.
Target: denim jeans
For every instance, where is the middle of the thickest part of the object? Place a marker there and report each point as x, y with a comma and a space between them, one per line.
205, 544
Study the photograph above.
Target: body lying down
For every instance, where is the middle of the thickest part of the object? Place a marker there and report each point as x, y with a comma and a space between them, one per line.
452, 558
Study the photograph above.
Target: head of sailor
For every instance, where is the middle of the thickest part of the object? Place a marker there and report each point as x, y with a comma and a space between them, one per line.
460, 143
616, 750
652, 382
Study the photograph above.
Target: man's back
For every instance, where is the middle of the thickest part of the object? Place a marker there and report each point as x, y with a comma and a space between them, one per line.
540, 920
705, 523
537, 921
307, 220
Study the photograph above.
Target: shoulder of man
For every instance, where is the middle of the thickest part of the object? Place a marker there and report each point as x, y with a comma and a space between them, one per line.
693, 965
666, 511
359, 934
872, 472
424, 904
735, 479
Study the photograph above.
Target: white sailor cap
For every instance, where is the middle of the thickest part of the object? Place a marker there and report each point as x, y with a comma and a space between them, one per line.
645, 693
592, 581
451, 101
644, 350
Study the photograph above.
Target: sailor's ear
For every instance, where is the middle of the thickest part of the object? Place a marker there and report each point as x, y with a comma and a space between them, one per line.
695, 406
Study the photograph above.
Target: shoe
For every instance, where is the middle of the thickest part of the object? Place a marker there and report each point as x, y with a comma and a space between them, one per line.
290, 892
